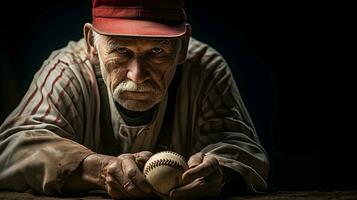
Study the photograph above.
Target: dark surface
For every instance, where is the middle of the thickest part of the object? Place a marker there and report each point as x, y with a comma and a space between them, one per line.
282, 195
264, 43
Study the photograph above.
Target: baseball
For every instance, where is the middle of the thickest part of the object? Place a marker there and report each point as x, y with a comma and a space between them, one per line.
164, 171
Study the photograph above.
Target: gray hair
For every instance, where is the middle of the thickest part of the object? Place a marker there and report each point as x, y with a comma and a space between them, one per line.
96, 37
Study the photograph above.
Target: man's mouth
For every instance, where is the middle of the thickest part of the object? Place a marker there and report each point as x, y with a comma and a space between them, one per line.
139, 92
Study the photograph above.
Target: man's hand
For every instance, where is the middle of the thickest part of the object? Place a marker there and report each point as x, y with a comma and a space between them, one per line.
204, 178
123, 177
120, 176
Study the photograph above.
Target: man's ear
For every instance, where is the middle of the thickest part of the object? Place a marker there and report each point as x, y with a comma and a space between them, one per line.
91, 50
184, 45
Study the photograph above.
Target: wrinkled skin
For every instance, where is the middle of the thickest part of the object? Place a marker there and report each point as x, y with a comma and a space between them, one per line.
123, 176
137, 72
204, 178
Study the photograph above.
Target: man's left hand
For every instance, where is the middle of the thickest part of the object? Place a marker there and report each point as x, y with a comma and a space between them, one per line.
204, 178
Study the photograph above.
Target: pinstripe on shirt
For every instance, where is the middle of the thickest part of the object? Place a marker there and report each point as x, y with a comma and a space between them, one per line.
56, 125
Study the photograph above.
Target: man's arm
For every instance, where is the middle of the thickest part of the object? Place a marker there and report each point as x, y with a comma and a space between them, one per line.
37, 140
227, 132
224, 134
121, 177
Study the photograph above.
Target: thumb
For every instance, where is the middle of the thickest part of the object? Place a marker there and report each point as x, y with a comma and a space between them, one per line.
192, 163
142, 157
195, 160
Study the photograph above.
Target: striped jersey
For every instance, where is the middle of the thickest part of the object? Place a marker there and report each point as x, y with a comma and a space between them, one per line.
68, 114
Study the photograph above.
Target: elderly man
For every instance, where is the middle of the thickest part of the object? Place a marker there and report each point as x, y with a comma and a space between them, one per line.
136, 84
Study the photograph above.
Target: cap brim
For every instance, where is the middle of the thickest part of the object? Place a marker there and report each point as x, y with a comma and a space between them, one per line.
140, 28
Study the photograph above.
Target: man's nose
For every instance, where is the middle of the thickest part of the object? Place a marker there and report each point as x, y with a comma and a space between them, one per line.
137, 71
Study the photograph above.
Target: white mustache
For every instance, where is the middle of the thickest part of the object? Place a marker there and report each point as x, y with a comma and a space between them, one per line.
130, 86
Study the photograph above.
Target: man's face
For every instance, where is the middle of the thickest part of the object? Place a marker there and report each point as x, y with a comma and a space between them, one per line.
137, 71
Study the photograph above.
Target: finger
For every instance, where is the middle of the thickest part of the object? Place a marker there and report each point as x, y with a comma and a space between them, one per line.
192, 189
203, 186
133, 173
195, 160
114, 188
208, 166
115, 172
115, 179
141, 158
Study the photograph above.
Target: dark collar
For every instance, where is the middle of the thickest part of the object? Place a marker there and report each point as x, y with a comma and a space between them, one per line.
136, 118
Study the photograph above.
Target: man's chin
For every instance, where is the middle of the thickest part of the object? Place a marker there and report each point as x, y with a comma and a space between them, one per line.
137, 105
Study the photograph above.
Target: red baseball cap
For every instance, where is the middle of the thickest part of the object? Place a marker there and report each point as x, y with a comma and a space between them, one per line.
145, 18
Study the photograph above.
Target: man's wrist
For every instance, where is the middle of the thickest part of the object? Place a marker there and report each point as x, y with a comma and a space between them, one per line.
95, 169
90, 174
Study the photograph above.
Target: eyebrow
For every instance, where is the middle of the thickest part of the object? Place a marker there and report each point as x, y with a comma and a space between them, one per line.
114, 43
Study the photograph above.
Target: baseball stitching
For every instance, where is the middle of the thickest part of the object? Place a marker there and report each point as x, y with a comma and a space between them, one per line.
172, 152
161, 162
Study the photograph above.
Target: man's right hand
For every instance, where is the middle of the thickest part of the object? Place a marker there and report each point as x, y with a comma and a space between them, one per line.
123, 176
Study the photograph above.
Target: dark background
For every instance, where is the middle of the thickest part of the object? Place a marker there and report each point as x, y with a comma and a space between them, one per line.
264, 43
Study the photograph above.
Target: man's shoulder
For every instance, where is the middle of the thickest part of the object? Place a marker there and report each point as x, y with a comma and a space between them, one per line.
72, 52
70, 62
203, 57
72, 57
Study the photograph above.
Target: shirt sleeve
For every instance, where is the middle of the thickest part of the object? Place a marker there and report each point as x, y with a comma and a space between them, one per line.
38, 148
226, 130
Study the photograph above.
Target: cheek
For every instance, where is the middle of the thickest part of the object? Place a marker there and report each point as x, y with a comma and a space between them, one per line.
114, 74
115, 77
163, 77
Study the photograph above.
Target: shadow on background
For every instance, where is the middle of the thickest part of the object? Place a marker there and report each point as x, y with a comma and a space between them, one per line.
254, 38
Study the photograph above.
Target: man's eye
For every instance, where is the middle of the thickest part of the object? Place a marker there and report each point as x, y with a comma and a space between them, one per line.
156, 50
122, 50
